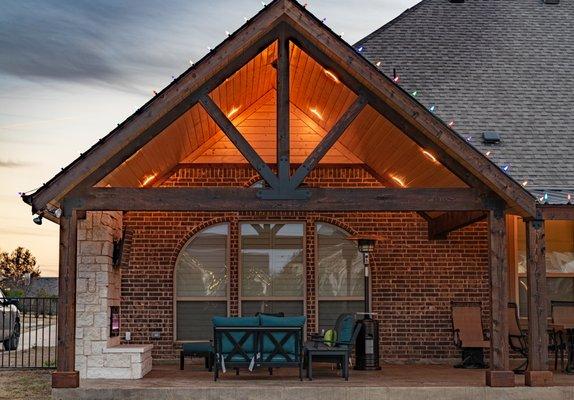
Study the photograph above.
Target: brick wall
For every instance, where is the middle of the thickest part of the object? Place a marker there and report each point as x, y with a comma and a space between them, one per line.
413, 279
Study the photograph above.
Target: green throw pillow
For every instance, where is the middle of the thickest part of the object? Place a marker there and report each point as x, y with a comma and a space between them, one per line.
330, 337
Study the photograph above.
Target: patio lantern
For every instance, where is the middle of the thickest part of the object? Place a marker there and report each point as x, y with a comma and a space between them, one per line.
367, 347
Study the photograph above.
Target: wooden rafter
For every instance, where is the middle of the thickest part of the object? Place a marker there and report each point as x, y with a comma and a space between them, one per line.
169, 105
404, 111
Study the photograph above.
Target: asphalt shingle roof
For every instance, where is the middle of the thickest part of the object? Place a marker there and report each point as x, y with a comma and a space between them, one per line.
493, 65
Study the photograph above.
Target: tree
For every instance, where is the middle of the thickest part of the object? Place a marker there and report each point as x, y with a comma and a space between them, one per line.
16, 267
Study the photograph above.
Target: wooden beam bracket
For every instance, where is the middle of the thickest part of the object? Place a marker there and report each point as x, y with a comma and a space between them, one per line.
239, 141
328, 141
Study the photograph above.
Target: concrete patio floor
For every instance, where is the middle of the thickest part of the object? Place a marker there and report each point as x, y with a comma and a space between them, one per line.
409, 382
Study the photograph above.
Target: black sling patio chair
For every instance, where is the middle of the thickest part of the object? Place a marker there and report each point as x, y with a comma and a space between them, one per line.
468, 333
517, 338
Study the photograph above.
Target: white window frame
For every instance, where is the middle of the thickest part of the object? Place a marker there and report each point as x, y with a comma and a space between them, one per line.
214, 299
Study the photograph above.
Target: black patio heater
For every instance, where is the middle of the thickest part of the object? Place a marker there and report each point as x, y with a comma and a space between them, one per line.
367, 347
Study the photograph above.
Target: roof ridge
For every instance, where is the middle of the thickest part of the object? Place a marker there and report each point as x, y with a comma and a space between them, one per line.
399, 17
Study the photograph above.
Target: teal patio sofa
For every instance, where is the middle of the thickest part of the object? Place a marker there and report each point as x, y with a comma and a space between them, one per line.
254, 342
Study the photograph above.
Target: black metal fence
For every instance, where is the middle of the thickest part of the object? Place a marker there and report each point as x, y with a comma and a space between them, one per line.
28, 332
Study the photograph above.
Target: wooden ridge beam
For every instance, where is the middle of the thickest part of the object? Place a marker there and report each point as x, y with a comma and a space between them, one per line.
439, 227
328, 141
239, 141
247, 199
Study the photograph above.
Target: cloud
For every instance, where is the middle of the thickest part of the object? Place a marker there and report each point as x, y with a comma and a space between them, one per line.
81, 41
13, 164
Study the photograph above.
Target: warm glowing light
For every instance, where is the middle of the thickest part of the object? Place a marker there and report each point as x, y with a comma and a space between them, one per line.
378, 63
487, 153
233, 111
430, 156
331, 75
398, 180
316, 112
147, 179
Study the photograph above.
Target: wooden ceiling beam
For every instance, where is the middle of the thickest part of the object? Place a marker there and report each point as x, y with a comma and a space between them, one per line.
555, 212
247, 199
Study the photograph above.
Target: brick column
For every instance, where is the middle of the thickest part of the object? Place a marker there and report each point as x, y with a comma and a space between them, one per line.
234, 267
310, 296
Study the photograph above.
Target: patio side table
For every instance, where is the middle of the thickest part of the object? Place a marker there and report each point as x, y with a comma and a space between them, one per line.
325, 351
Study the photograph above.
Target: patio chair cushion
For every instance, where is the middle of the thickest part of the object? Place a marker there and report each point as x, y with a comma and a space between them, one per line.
289, 345
227, 346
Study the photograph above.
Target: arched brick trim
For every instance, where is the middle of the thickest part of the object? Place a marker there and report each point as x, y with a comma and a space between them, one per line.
185, 239
253, 180
337, 223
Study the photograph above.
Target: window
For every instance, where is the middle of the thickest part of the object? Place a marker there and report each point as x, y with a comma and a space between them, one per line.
340, 276
201, 283
272, 272
559, 262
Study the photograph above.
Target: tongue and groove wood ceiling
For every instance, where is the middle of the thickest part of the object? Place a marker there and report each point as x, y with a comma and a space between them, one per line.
318, 100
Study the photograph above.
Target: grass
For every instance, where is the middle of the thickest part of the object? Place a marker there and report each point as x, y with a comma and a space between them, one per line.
34, 357
25, 385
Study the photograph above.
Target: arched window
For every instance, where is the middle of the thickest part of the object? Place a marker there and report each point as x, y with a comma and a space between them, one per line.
340, 277
201, 283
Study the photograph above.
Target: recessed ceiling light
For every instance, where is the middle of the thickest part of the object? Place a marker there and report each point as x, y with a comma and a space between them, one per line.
400, 181
233, 111
317, 113
430, 156
147, 179
331, 75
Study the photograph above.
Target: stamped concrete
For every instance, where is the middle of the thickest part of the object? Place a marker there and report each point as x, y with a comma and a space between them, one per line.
394, 382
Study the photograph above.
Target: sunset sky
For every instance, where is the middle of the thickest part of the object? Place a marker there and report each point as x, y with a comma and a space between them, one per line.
71, 70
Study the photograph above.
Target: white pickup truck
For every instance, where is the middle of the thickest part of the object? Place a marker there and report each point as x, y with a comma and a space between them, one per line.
9, 322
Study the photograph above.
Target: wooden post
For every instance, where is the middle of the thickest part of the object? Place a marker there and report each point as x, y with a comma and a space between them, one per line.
499, 374
283, 115
66, 376
538, 373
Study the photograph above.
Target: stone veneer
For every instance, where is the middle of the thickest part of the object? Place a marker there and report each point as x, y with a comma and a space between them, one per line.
98, 288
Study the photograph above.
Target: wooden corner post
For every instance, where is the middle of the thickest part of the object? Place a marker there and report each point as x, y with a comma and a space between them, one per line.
537, 373
65, 375
499, 374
